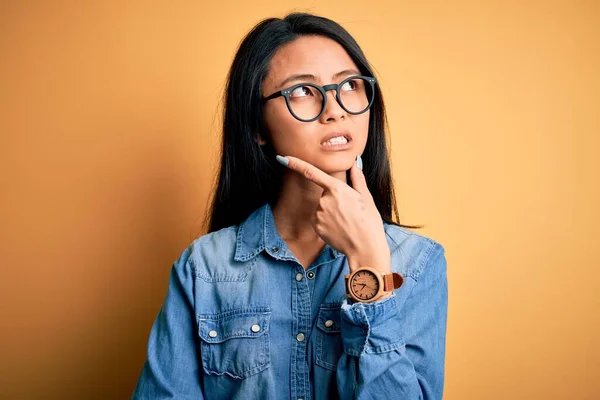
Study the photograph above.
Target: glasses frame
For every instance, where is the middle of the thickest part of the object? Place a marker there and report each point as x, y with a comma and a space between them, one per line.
323, 89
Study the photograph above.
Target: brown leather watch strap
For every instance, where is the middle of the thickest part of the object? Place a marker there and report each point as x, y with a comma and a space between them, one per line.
392, 281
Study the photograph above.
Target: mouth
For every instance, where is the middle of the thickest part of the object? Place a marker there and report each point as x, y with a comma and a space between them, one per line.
339, 142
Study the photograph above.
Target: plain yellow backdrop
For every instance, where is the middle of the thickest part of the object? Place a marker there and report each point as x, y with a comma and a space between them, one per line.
109, 140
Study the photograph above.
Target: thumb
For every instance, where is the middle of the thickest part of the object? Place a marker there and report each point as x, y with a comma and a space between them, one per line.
358, 178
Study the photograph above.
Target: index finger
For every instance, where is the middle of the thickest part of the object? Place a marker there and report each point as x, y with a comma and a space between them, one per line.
309, 171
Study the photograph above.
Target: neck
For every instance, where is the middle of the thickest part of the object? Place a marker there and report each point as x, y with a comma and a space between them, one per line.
296, 205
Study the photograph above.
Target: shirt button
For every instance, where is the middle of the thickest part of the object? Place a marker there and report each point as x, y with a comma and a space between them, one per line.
212, 334
275, 249
329, 323
300, 337
255, 328
299, 277
310, 275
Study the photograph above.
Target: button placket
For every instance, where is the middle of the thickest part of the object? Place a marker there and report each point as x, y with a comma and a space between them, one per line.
302, 317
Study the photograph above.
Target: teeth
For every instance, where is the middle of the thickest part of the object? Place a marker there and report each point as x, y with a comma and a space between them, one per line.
336, 140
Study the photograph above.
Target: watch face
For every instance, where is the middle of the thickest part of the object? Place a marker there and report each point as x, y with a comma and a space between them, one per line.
364, 285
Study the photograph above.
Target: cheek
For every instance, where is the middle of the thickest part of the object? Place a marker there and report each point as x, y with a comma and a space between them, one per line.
362, 128
285, 131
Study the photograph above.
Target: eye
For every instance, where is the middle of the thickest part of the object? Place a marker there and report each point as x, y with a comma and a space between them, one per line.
303, 91
350, 85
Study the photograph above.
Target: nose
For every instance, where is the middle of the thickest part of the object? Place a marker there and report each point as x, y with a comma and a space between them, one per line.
333, 111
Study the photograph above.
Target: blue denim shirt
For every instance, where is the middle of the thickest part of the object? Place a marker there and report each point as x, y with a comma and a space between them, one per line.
242, 319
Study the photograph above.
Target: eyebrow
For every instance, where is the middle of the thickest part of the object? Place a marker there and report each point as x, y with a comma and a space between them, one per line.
335, 76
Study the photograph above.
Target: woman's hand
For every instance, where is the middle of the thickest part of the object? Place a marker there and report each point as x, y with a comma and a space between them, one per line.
346, 217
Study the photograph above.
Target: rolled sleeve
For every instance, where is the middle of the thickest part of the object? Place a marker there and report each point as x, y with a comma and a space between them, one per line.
395, 347
371, 327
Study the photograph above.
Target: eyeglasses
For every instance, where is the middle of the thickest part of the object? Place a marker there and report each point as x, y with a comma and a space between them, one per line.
307, 101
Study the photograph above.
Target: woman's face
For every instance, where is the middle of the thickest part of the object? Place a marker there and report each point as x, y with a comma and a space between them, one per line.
324, 59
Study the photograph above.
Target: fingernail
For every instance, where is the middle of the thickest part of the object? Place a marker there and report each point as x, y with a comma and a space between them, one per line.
359, 163
283, 160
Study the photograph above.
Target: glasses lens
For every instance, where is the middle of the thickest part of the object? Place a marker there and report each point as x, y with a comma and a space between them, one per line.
306, 102
356, 94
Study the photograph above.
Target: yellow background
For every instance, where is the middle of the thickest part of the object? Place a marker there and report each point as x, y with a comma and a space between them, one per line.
109, 136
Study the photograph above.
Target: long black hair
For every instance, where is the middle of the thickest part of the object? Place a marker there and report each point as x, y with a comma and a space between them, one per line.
249, 175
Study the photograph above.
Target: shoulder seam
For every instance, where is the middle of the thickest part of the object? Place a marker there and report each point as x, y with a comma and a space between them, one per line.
429, 251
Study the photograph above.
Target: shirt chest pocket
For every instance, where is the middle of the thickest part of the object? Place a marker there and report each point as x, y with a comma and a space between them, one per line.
329, 339
235, 343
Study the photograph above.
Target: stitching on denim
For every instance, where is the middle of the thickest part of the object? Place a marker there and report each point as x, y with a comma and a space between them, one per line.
325, 364
209, 321
330, 306
235, 335
320, 347
240, 239
326, 310
236, 312
365, 320
239, 253
246, 372
384, 348
320, 359
266, 213
217, 277
426, 258
430, 245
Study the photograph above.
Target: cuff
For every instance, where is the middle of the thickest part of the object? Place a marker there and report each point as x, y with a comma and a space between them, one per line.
370, 327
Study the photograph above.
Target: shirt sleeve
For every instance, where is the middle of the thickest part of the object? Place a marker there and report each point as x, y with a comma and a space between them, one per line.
395, 347
171, 370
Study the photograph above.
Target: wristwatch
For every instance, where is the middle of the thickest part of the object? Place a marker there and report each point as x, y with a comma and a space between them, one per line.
367, 284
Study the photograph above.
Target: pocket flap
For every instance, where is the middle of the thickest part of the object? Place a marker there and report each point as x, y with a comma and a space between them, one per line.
218, 328
329, 319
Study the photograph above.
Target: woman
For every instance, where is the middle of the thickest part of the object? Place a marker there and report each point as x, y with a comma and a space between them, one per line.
304, 288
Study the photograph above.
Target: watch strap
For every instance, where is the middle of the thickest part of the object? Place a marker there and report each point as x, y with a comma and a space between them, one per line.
392, 281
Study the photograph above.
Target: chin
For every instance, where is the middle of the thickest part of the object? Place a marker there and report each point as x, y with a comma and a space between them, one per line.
336, 166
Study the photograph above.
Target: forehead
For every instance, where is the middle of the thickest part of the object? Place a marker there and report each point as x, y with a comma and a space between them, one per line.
316, 55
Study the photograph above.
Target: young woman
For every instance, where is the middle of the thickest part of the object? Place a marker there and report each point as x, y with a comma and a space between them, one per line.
304, 287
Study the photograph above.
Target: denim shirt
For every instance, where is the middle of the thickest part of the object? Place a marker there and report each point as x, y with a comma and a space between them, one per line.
242, 319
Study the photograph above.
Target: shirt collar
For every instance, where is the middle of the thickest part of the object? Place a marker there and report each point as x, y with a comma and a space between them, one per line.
258, 232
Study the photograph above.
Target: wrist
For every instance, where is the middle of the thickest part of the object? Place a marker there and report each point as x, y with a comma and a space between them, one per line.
379, 262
